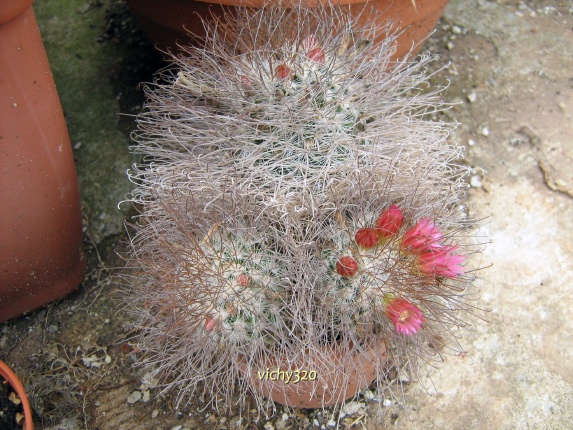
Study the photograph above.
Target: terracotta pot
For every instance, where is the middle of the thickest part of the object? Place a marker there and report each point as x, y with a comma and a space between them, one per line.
40, 224
168, 22
6, 374
337, 376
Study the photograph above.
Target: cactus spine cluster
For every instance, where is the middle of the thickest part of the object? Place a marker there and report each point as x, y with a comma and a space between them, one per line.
295, 192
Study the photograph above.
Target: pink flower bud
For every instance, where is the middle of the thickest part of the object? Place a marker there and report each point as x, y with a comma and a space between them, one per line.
346, 266
390, 221
441, 262
406, 317
210, 323
366, 237
243, 280
316, 54
283, 71
309, 42
246, 81
424, 236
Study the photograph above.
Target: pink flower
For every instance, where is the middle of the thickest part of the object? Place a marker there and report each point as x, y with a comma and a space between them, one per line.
441, 262
283, 71
366, 237
346, 266
389, 221
423, 237
406, 317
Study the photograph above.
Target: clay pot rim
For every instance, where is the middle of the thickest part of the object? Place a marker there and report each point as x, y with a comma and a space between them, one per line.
11, 378
13, 8
261, 3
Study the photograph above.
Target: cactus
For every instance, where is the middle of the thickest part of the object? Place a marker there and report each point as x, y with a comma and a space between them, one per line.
295, 191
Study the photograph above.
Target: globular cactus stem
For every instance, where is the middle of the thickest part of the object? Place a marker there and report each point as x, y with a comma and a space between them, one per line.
295, 193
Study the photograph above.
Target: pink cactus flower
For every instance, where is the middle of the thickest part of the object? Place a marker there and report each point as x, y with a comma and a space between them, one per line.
390, 221
366, 237
423, 237
406, 317
283, 71
346, 266
441, 262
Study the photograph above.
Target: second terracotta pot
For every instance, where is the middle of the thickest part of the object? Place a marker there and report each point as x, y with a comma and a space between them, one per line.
8, 376
168, 23
41, 255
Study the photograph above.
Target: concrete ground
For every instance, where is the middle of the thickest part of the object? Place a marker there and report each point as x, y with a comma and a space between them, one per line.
511, 70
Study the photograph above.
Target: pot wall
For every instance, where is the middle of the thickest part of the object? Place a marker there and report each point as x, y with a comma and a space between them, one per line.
40, 223
339, 374
168, 22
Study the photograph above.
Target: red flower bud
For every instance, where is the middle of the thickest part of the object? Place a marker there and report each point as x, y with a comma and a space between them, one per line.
346, 266
389, 221
284, 71
366, 237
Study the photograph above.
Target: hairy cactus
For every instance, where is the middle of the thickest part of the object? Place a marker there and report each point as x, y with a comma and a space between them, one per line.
295, 192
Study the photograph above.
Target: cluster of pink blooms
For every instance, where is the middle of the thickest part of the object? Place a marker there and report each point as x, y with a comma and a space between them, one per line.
423, 242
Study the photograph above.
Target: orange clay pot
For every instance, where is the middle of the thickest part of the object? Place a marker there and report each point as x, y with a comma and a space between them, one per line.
8, 376
168, 22
40, 224
338, 376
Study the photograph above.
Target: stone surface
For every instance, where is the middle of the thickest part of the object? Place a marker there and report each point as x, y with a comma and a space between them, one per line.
518, 369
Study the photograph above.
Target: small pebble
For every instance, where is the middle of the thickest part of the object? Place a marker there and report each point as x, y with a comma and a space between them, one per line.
351, 408
475, 181
134, 397
368, 395
154, 413
472, 97
387, 402
145, 397
471, 142
485, 131
403, 376
331, 423
450, 46
456, 29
